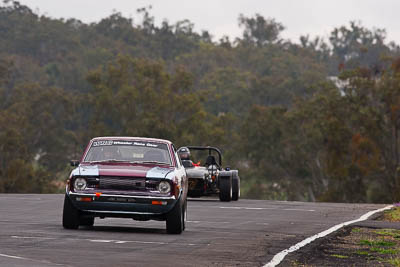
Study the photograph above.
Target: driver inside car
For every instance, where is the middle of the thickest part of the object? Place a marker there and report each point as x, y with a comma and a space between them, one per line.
184, 154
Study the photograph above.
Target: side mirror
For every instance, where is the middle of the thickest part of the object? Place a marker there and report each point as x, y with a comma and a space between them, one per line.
74, 163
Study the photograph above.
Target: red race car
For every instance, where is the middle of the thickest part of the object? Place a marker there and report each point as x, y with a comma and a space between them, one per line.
127, 177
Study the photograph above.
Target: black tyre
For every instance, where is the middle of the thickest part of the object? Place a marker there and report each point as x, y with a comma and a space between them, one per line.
70, 218
235, 186
86, 221
225, 188
176, 219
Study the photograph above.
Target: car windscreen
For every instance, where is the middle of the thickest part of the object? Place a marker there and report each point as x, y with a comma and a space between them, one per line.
129, 151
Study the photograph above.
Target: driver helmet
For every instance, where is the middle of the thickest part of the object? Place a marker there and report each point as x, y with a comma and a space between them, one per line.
184, 153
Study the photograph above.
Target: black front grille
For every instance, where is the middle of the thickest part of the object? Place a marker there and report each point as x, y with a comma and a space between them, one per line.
152, 185
92, 182
122, 183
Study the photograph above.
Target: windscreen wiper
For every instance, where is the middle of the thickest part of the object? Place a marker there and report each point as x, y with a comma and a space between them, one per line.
109, 160
150, 162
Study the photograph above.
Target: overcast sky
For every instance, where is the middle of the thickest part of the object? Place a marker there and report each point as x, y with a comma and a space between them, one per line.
220, 17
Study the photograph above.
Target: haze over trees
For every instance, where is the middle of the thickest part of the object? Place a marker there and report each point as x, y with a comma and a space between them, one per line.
314, 120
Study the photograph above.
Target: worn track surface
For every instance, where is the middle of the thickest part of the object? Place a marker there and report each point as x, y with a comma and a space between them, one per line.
243, 233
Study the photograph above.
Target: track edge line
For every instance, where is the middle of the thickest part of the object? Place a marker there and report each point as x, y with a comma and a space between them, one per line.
281, 255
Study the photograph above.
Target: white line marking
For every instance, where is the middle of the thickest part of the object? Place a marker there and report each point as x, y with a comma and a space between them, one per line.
249, 208
246, 208
24, 223
13, 257
125, 241
205, 222
31, 237
27, 259
140, 242
298, 210
281, 255
103, 240
23, 198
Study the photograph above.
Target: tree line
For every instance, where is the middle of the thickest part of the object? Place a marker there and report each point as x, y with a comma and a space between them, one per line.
314, 120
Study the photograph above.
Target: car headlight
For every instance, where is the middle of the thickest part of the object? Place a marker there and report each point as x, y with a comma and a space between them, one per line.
80, 183
164, 187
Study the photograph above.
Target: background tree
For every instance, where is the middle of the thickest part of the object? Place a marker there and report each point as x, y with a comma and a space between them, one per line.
315, 120
260, 31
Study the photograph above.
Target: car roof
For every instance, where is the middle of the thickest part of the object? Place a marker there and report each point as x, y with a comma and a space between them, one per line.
145, 139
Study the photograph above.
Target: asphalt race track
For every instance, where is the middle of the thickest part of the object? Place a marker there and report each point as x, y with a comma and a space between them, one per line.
243, 233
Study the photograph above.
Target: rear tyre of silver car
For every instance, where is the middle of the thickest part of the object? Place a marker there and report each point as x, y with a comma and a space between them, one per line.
70, 215
235, 186
225, 188
176, 219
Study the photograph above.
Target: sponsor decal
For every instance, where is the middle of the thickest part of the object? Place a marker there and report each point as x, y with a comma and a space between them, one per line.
145, 144
103, 143
122, 143
151, 145
139, 144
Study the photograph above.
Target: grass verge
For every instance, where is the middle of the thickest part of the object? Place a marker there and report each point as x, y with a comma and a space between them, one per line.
355, 246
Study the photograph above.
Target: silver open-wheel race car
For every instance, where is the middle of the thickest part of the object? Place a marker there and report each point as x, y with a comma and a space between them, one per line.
209, 178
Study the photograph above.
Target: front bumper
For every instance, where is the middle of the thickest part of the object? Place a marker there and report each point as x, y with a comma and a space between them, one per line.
108, 205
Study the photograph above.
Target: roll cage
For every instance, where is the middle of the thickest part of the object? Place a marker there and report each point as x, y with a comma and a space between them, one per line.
210, 149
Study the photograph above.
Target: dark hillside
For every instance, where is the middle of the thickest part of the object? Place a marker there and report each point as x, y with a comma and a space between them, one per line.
314, 120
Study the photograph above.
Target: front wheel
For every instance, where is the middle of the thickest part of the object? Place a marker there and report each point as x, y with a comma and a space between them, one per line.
225, 188
235, 186
176, 219
70, 218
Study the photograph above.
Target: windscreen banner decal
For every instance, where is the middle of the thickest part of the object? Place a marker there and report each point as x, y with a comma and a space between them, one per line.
125, 143
158, 172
